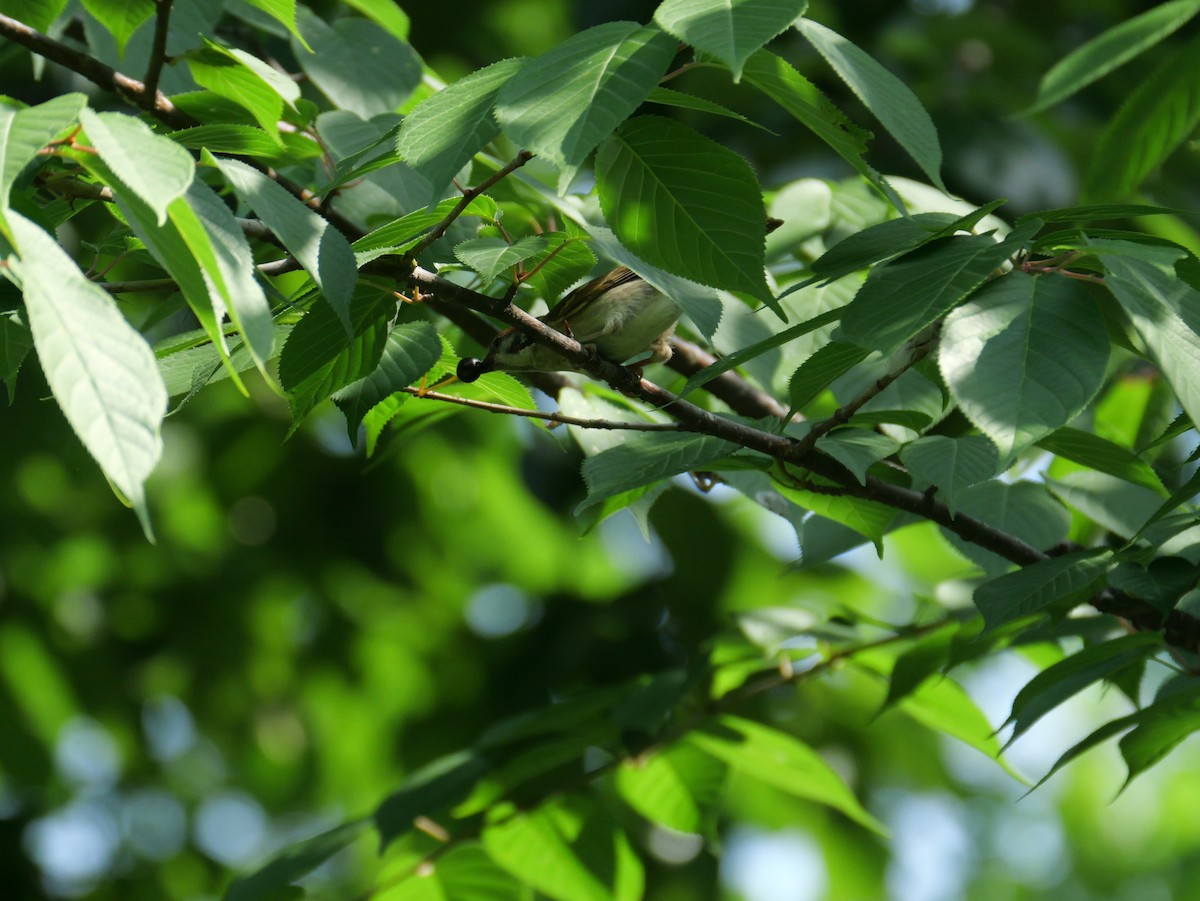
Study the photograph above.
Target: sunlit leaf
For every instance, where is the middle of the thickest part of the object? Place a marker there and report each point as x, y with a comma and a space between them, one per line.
1036, 336
101, 371
781, 761
155, 168
448, 128
885, 95
731, 32
561, 104
683, 202
24, 132
317, 246
677, 787
569, 850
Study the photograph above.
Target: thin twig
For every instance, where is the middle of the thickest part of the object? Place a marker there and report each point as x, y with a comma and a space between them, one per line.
139, 285
613, 424
440, 229
844, 413
158, 52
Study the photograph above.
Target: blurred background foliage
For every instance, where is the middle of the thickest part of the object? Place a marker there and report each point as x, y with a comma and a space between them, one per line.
312, 626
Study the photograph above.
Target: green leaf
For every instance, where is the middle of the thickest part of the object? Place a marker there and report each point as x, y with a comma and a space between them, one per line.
1156, 117
294, 861
561, 104
882, 241
1098, 212
1062, 680
1162, 582
492, 256
858, 449
465, 873
243, 140
777, 79
15, 342
26, 131
565, 262
885, 95
745, 354
1036, 336
445, 131
284, 12
904, 296
402, 234
155, 168
944, 706
410, 352
821, 370
683, 202
385, 13
1114, 504
1097, 453
867, 518
1179, 496
243, 297
316, 245
951, 464
1110, 50
1164, 310
647, 458
928, 656
680, 100
729, 31
569, 850
320, 356
781, 761
358, 65
1160, 727
1025, 510
229, 76
431, 791
37, 14
101, 371
1036, 587
678, 786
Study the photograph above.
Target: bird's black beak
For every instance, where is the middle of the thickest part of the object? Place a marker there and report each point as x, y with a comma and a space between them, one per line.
470, 368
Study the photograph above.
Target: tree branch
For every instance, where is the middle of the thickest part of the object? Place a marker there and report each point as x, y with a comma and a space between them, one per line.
789, 450
440, 229
158, 51
94, 71
741, 397
845, 413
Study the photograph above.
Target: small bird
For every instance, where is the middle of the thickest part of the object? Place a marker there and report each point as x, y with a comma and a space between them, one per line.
618, 314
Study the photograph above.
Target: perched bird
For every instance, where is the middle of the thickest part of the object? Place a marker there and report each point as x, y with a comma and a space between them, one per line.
618, 314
